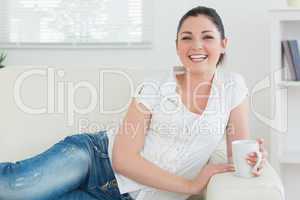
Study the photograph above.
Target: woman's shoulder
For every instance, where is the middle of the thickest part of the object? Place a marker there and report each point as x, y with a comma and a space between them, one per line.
236, 88
230, 77
162, 82
151, 89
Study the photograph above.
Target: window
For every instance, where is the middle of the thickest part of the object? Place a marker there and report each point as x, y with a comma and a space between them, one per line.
75, 23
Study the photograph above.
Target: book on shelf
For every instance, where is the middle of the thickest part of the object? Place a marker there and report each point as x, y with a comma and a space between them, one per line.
291, 60
287, 63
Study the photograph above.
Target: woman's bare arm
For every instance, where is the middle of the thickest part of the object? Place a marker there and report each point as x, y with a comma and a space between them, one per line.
238, 126
127, 160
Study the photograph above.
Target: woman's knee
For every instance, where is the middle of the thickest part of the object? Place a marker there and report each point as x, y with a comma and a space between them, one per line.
17, 188
64, 165
19, 181
74, 151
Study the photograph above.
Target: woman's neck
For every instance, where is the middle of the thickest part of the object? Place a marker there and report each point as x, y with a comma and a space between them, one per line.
194, 79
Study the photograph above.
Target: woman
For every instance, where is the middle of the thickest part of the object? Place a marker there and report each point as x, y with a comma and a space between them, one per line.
170, 130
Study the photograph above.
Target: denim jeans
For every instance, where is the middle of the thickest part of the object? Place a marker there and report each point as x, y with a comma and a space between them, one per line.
76, 168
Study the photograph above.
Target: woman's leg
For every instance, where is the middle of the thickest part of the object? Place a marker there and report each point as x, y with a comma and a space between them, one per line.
49, 175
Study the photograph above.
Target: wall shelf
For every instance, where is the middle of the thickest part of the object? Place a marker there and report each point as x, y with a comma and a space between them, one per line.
289, 84
284, 26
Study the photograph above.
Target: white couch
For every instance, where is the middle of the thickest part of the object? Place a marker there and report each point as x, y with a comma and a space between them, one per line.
41, 105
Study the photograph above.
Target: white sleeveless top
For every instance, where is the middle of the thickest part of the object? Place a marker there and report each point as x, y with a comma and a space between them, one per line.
179, 140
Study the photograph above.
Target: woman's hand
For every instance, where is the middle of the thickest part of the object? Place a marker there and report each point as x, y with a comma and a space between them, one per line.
200, 182
252, 158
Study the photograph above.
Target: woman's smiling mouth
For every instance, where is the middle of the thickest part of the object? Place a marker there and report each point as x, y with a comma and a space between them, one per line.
197, 57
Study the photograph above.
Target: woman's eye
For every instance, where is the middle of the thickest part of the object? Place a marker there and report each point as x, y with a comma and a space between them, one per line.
208, 37
186, 38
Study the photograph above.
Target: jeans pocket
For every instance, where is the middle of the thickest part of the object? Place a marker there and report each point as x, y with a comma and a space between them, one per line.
109, 190
111, 187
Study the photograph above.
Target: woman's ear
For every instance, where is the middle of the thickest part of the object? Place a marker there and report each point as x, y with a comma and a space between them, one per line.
176, 43
224, 44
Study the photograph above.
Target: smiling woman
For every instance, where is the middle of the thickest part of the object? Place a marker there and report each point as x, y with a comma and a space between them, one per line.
200, 46
170, 130
215, 32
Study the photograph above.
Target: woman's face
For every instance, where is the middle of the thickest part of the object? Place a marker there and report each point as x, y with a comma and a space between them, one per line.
199, 44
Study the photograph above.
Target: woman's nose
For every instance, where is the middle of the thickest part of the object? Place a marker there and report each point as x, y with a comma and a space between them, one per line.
197, 45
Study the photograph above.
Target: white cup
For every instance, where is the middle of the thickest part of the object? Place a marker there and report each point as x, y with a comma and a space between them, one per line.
240, 151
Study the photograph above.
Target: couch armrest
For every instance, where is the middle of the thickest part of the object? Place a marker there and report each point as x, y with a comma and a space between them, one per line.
226, 186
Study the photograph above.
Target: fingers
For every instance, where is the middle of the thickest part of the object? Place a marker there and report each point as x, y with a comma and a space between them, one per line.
258, 171
252, 158
261, 144
221, 168
262, 148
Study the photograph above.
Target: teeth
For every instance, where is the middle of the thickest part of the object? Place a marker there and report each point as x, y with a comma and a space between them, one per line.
198, 57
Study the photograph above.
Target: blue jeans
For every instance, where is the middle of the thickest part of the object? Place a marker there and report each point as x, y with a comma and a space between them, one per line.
76, 168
